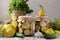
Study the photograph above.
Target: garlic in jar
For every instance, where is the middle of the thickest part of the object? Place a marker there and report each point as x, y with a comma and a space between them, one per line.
25, 26
26, 32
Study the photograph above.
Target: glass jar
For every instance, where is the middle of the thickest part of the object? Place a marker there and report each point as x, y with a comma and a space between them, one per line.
37, 23
25, 25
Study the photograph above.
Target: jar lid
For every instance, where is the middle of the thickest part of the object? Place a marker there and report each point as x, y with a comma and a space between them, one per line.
25, 18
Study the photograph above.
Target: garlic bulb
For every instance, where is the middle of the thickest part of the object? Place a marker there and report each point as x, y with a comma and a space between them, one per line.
38, 34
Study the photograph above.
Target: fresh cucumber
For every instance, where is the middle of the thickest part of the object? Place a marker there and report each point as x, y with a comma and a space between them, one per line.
50, 36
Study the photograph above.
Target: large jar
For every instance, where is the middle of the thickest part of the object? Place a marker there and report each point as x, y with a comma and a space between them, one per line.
25, 25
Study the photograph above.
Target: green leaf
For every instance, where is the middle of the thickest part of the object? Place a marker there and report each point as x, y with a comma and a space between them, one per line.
19, 5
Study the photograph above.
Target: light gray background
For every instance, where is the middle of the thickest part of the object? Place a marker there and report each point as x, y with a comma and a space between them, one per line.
52, 8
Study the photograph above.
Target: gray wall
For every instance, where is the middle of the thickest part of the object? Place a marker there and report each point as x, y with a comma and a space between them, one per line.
52, 8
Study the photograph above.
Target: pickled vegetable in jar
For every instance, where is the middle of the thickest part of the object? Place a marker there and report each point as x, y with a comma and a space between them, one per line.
37, 23
26, 23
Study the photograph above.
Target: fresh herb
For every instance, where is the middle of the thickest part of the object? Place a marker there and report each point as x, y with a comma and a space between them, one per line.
55, 25
19, 5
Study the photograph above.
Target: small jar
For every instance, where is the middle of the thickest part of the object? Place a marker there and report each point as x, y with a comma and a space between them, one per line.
26, 23
37, 23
